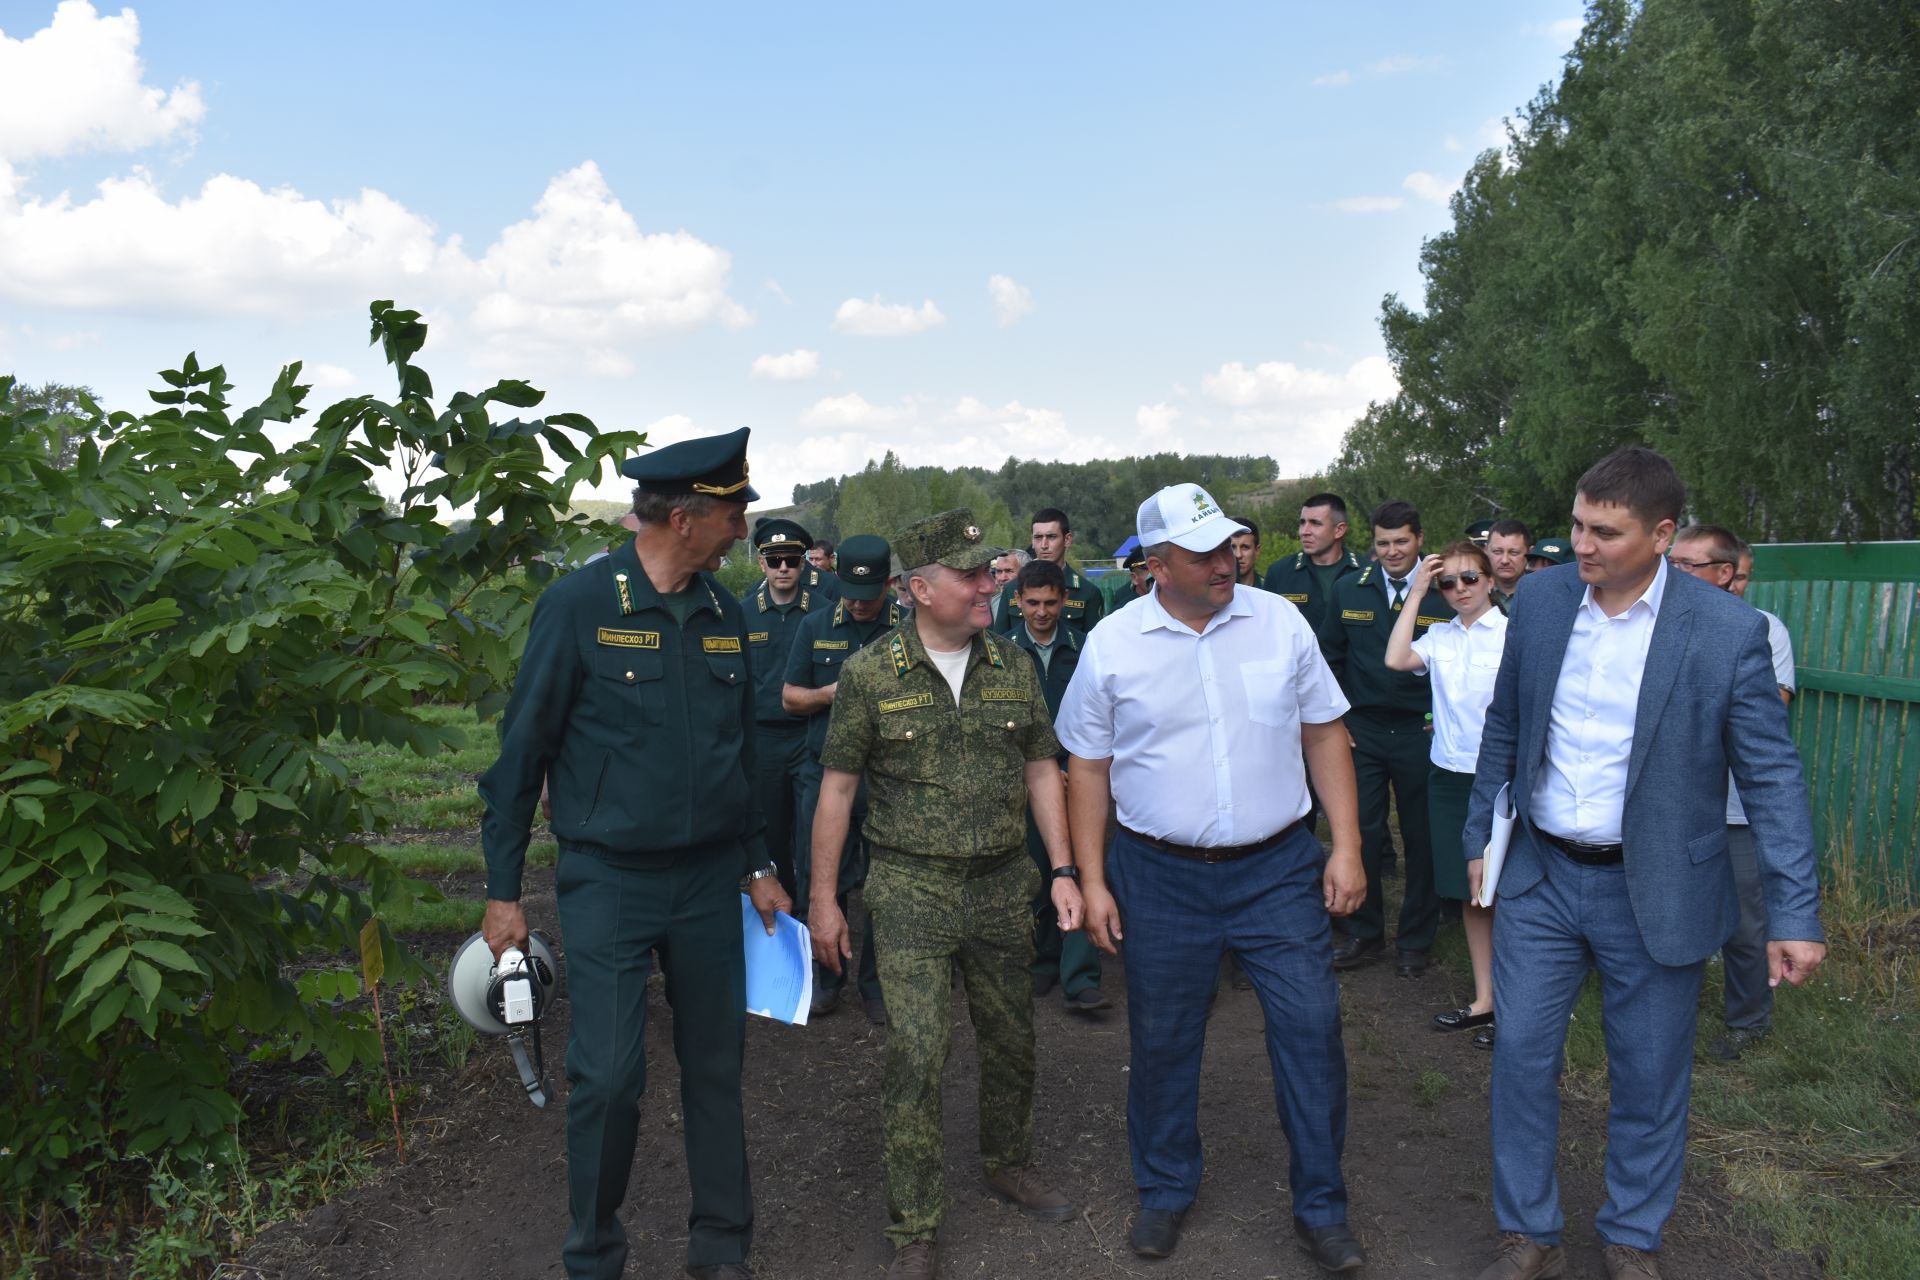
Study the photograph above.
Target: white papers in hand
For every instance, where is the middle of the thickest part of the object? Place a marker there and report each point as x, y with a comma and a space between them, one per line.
779, 966
1496, 852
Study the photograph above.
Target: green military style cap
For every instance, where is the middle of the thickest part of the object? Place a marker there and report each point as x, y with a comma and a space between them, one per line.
772, 533
1136, 559
865, 562
1479, 531
1552, 550
950, 538
712, 465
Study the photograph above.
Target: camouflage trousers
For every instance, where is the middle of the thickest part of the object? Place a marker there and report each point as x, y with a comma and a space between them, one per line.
928, 915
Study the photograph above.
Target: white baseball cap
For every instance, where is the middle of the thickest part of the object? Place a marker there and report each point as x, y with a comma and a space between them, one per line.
1187, 516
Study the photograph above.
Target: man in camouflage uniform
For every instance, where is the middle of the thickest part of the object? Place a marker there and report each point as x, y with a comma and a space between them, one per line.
949, 724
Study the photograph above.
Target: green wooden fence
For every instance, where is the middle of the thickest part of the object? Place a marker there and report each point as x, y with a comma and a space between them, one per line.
1854, 614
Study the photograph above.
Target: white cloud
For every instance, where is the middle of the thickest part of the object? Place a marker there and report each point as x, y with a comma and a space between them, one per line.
1564, 30
76, 85
326, 377
773, 287
1334, 79
1368, 204
794, 366
1431, 188
1298, 415
1011, 299
1492, 133
854, 410
1156, 423
876, 319
848, 430
1450, 142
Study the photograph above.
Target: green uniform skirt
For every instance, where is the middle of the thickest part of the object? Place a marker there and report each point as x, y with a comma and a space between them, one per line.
1447, 795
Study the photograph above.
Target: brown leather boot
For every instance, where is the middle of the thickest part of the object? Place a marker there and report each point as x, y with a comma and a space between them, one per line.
913, 1261
1522, 1258
1624, 1262
1027, 1189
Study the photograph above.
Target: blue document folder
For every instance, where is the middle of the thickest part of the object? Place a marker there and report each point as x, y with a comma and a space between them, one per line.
779, 966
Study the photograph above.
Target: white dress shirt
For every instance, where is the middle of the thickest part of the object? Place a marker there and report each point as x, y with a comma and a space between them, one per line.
1581, 793
1781, 646
1463, 663
1203, 728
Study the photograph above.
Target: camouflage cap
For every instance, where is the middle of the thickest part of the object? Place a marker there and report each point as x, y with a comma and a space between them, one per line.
950, 538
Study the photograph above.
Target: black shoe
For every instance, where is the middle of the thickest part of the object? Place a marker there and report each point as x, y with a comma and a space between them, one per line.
1483, 1038
1334, 1247
825, 1001
1240, 980
876, 1009
1044, 982
1736, 1042
1410, 964
720, 1271
1089, 1000
1155, 1232
1462, 1018
1351, 952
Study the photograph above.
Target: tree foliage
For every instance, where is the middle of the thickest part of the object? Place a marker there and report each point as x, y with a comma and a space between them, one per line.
1705, 238
192, 615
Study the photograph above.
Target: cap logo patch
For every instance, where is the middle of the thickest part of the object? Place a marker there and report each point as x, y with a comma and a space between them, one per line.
971, 533
859, 570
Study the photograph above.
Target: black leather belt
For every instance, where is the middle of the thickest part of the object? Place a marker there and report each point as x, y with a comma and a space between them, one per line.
1588, 855
1213, 853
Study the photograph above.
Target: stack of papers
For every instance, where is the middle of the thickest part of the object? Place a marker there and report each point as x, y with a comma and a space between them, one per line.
1496, 852
779, 966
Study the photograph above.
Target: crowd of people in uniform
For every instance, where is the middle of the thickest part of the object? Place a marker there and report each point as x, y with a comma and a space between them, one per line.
1020, 773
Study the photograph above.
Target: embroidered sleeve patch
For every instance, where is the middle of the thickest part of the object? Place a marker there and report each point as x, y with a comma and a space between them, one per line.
720, 644
630, 639
1356, 615
759, 637
1424, 621
991, 694
907, 703
829, 644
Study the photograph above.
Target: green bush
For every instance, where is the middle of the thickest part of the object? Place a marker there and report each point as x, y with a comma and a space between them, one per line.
190, 612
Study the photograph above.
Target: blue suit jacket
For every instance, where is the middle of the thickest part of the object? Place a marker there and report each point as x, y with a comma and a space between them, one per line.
1708, 703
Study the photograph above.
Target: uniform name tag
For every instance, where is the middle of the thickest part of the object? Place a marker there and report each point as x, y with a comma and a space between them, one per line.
907, 703
630, 639
1071, 603
1424, 621
1356, 615
758, 637
1299, 598
720, 644
829, 644
1002, 695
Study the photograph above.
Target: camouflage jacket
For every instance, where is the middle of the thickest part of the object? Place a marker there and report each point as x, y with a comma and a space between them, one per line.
942, 781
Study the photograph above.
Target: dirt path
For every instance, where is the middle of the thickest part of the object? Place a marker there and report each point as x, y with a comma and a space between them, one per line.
486, 1198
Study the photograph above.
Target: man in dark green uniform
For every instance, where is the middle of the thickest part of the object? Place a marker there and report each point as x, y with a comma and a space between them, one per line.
1137, 583
1246, 551
1068, 959
1388, 725
1052, 536
950, 726
635, 696
775, 611
825, 641
1308, 576
820, 574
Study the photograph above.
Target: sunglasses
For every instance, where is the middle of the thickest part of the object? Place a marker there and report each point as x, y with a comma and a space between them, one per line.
1469, 577
782, 562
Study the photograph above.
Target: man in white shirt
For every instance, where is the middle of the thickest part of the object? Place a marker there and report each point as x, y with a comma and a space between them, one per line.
1716, 555
1194, 709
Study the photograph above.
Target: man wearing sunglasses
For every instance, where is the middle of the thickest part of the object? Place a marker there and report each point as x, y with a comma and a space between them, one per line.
775, 611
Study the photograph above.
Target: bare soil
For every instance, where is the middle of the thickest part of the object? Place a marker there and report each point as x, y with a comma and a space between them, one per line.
482, 1194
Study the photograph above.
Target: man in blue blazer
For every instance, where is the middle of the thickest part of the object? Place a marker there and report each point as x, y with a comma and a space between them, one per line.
1626, 689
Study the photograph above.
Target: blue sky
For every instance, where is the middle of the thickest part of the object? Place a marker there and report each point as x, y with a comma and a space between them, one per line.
1058, 231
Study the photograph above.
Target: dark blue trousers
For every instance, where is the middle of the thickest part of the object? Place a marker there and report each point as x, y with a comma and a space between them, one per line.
1180, 917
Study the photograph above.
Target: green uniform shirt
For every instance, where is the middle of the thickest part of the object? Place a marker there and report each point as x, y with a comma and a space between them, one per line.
824, 642
643, 727
1354, 640
1056, 672
771, 628
942, 781
1084, 606
1305, 583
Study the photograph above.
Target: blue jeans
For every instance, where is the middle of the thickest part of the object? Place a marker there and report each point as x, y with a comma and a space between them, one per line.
1180, 916
1544, 942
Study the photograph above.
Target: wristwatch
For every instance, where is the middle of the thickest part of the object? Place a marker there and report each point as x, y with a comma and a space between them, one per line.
746, 881
1068, 872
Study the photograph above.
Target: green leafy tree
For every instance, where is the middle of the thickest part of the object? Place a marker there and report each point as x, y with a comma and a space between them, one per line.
193, 616
60, 412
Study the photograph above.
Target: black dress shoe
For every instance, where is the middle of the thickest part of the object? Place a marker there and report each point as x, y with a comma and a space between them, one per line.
1155, 1232
1351, 952
1410, 964
1333, 1247
720, 1271
1462, 1018
1483, 1038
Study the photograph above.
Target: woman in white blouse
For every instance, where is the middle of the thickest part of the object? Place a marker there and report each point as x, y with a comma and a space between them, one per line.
1462, 655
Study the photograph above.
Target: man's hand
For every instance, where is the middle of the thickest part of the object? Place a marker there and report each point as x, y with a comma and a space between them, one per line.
768, 898
1101, 918
832, 946
1793, 961
1067, 903
1476, 868
1344, 882
504, 925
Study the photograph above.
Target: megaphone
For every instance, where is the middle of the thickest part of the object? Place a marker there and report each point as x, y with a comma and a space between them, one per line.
507, 998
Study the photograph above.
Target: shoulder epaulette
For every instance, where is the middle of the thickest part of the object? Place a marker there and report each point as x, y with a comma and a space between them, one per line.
895, 614
1299, 560
897, 650
839, 612
1367, 573
623, 593
993, 649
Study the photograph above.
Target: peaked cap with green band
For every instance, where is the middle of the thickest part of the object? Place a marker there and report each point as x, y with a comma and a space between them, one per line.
951, 538
775, 533
1479, 531
712, 465
1552, 550
864, 564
